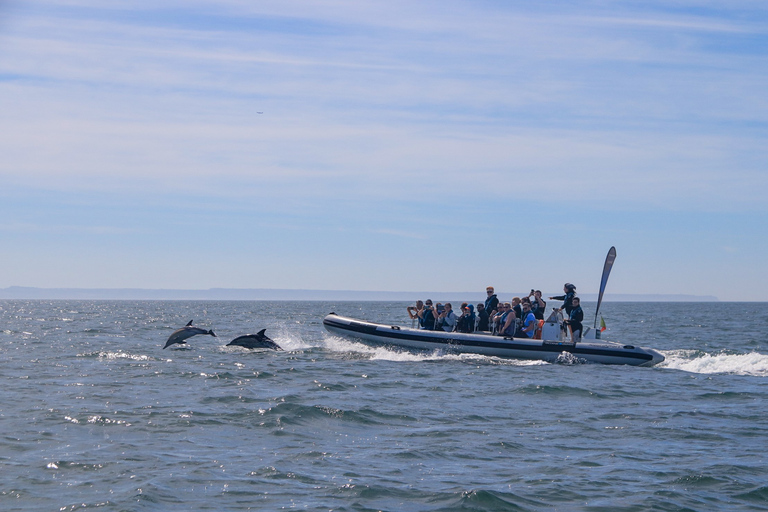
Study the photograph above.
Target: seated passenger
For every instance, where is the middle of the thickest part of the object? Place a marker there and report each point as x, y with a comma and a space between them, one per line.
466, 322
574, 320
447, 319
496, 317
527, 327
516, 301
508, 321
483, 320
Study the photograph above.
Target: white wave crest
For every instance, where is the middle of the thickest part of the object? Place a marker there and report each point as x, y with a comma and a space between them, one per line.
693, 361
124, 355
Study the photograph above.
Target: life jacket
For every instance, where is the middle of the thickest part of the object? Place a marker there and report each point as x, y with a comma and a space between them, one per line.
466, 323
448, 322
491, 300
428, 320
530, 319
568, 302
576, 316
538, 311
510, 331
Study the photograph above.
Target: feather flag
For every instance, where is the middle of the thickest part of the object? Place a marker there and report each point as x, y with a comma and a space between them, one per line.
602, 324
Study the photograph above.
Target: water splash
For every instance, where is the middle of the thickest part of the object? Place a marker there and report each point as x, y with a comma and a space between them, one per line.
336, 344
694, 361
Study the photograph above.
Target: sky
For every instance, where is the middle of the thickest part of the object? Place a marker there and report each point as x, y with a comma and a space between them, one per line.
385, 145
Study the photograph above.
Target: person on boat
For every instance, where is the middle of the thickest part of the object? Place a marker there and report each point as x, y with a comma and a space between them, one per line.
413, 311
492, 301
527, 326
507, 321
538, 305
427, 316
570, 293
518, 309
466, 322
483, 319
447, 319
574, 320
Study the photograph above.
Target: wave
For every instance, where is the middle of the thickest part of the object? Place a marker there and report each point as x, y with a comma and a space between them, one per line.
695, 361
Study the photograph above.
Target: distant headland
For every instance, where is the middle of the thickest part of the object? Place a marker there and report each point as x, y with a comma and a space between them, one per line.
23, 292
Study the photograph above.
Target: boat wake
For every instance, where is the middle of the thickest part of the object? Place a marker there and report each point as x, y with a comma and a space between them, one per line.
695, 361
341, 345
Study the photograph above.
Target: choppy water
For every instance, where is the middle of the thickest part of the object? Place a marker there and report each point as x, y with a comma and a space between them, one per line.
94, 414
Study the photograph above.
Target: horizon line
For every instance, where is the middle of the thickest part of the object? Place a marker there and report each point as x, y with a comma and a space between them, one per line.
220, 293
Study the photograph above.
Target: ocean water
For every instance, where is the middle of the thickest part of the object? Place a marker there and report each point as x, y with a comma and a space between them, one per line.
96, 415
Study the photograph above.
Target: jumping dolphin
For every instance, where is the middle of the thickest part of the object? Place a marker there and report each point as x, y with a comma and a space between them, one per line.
180, 335
259, 340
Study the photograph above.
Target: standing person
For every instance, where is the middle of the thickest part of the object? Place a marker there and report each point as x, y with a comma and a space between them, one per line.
537, 304
466, 322
427, 316
575, 318
483, 319
527, 327
570, 293
447, 319
492, 301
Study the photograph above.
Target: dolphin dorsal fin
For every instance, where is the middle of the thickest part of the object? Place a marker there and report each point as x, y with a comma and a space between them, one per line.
190, 323
261, 333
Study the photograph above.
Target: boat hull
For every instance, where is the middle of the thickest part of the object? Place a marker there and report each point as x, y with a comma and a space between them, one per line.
604, 352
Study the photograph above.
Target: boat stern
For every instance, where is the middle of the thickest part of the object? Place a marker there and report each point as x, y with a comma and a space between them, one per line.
657, 357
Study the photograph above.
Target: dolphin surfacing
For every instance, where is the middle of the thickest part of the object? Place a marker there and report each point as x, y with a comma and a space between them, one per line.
258, 340
180, 336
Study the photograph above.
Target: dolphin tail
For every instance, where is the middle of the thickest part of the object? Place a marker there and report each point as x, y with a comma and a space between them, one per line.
212, 333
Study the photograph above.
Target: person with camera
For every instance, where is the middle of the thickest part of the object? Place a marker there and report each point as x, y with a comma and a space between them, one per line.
446, 320
427, 316
413, 311
537, 304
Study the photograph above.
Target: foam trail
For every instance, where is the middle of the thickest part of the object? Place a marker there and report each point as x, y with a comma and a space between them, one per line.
754, 363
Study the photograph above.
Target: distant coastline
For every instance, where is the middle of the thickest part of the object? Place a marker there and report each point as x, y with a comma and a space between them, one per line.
22, 292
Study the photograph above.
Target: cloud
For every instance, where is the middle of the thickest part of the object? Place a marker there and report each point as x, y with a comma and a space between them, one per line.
626, 106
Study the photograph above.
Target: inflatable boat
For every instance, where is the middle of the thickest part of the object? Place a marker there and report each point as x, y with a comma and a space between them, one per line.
551, 347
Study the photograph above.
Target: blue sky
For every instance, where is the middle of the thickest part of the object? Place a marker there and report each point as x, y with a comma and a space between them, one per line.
396, 146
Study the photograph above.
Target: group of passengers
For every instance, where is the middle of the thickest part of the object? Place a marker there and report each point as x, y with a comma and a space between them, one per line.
518, 319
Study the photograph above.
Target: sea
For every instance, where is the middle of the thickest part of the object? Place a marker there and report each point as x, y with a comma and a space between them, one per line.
95, 414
